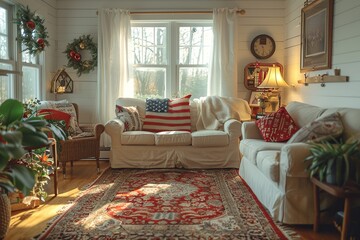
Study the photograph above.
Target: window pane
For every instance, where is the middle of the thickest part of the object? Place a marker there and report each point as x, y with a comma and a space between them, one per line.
149, 82
30, 83
4, 34
149, 45
193, 80
195, 45
26, 57
5, 87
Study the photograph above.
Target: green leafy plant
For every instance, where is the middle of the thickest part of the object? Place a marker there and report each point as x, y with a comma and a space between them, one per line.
335, 162
19, 135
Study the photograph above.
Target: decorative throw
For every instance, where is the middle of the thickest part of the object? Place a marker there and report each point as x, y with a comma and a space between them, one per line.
214, 111
177, 118
129, 116
53, 114
277, 126
321, 129
157, 104
66, 107
166, 204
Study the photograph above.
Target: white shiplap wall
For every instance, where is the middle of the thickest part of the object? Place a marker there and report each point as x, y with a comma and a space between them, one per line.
75, 18
346, 56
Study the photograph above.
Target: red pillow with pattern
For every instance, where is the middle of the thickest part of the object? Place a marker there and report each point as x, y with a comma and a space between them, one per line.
277, 126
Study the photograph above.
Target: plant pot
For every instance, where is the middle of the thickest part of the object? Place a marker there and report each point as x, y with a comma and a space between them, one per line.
5, 214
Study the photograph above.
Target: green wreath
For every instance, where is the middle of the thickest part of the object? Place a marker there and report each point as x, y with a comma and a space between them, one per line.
33, 34
74, 56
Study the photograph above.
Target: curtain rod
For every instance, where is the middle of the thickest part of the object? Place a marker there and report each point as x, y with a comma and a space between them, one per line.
241, 11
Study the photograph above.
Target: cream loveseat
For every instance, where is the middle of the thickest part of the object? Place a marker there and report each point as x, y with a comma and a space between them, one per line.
203, 147
276, 171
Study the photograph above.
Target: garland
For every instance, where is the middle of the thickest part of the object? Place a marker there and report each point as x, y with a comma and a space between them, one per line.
74, 56
33, 34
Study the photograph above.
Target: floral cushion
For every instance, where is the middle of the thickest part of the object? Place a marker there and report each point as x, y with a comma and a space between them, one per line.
129, 116
277, 126
321, 129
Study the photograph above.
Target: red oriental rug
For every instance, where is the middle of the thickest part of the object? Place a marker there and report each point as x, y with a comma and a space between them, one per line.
166, 204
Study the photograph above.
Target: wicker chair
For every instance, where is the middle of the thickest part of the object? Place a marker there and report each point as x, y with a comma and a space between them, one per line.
80, 148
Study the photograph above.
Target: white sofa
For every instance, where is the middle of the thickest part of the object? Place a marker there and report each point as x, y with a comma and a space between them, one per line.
276, 171
206, 148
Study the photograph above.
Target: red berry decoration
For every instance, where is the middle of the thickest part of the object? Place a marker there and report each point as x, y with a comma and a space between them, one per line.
77, 57
30, 24
72, 54
40, 41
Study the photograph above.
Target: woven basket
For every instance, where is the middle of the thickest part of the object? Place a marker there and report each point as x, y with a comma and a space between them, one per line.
5, 214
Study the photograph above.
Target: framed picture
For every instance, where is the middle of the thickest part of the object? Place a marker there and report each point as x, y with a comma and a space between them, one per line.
316, 35
253, 102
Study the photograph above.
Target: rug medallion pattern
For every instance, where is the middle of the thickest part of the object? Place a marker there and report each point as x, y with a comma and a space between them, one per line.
165, 204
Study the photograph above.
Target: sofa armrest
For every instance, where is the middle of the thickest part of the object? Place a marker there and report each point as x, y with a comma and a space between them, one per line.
233, 128
96, 129
292, 160
249, 130
114, 128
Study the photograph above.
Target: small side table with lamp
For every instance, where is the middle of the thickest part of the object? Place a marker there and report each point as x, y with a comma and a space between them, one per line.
274, 81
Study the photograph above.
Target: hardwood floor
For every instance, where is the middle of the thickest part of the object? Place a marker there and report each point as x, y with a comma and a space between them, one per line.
29, 223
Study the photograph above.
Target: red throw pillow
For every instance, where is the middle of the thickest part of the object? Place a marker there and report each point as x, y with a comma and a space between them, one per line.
277, 126
52, 114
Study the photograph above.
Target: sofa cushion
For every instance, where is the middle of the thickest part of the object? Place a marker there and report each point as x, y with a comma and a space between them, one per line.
268, 163
157, 104
173, 138
303, 113
321, 129
277, 126
249, 148
176, 119
129, 116
210, 138
138, 138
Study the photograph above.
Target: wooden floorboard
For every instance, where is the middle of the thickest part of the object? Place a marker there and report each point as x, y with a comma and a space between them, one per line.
29, 223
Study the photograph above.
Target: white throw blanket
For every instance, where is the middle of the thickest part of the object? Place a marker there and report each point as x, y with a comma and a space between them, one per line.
214, 111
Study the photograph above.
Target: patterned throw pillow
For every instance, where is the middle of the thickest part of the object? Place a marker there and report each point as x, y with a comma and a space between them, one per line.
319, 130
129, 116
277, 126
157, 104
66, 107
177, 118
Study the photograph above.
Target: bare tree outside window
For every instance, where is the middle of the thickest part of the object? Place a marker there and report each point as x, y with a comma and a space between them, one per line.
155, 64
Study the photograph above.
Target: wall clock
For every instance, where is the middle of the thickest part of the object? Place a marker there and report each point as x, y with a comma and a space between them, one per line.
262, 46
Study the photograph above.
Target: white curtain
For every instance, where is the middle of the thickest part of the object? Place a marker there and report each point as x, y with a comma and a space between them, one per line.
113, 68
223, 68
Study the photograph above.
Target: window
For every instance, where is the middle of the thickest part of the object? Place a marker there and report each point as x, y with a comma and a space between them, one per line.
21, 87
171, 58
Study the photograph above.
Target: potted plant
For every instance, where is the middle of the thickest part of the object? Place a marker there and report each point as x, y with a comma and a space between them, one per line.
335, 162
17, 136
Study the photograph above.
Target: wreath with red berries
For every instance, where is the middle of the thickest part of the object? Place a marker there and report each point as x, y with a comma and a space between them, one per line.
32, 35
75, 49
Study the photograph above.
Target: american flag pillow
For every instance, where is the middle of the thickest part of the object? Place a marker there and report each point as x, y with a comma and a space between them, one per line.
177, 118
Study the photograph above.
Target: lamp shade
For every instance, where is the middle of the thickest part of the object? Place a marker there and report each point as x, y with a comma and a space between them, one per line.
273, 79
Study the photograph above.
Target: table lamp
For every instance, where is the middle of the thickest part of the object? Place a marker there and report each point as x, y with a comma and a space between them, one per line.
274, 80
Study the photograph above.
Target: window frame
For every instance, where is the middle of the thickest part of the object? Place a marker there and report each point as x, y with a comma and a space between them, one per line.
15, 59
172, 66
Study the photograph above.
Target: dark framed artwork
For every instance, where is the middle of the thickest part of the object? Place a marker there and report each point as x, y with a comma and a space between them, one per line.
316, 35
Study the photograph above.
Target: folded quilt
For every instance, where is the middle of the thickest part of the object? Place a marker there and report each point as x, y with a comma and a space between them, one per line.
214, 111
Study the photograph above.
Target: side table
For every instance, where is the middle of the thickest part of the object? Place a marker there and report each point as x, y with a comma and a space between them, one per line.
348, 193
